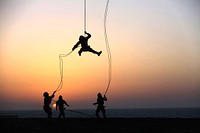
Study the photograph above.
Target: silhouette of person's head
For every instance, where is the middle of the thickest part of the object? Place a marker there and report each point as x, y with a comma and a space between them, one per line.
45, 94
99, 95
60, 97
81, 38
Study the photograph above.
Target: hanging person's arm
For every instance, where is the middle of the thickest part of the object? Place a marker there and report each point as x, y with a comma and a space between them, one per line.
88, 35
76, 45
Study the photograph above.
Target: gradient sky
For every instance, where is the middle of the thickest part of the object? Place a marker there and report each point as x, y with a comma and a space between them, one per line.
155, 49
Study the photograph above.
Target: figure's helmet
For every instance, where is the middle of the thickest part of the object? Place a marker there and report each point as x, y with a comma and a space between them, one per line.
81, 38
99, 95
45, 94
60, 97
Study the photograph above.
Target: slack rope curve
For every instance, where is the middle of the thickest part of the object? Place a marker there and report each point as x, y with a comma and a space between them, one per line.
61, 70
75, 111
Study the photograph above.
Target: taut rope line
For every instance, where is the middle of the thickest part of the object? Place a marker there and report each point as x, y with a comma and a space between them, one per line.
85, 23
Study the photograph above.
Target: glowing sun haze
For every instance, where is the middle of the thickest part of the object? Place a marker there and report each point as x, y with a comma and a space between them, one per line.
155, 49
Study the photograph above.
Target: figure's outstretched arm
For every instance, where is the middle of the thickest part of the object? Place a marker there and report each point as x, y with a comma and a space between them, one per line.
105, 98
66, 103
88, 35
52, 96
76, 45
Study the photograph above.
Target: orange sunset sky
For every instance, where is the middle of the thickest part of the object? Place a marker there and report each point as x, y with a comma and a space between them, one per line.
155, 49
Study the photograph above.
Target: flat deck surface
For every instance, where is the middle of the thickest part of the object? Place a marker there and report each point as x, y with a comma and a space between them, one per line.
92, 125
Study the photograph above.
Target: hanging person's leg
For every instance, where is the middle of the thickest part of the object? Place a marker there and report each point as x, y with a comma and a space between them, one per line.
80, 51
93, 51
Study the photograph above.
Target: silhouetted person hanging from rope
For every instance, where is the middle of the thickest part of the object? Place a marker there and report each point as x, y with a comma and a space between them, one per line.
100, 103
84, 45
47, 102
60, 103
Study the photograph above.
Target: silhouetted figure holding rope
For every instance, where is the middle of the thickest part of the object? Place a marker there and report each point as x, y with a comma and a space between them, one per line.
60, 103
47, 102
100, 103
84, 45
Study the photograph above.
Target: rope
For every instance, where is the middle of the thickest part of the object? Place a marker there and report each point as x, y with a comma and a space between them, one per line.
75, 111
61, 70
79, 112
108, 48
84, 17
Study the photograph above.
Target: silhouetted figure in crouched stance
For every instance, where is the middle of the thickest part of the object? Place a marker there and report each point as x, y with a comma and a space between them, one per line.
60, 103
100, 103
84, 45
47, 102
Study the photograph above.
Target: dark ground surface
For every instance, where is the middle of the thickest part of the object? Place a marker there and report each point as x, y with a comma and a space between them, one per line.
109, 125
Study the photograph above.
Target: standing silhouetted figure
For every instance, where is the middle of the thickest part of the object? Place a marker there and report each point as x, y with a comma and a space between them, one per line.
84, 45
60, 103
47, 102
100, 103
